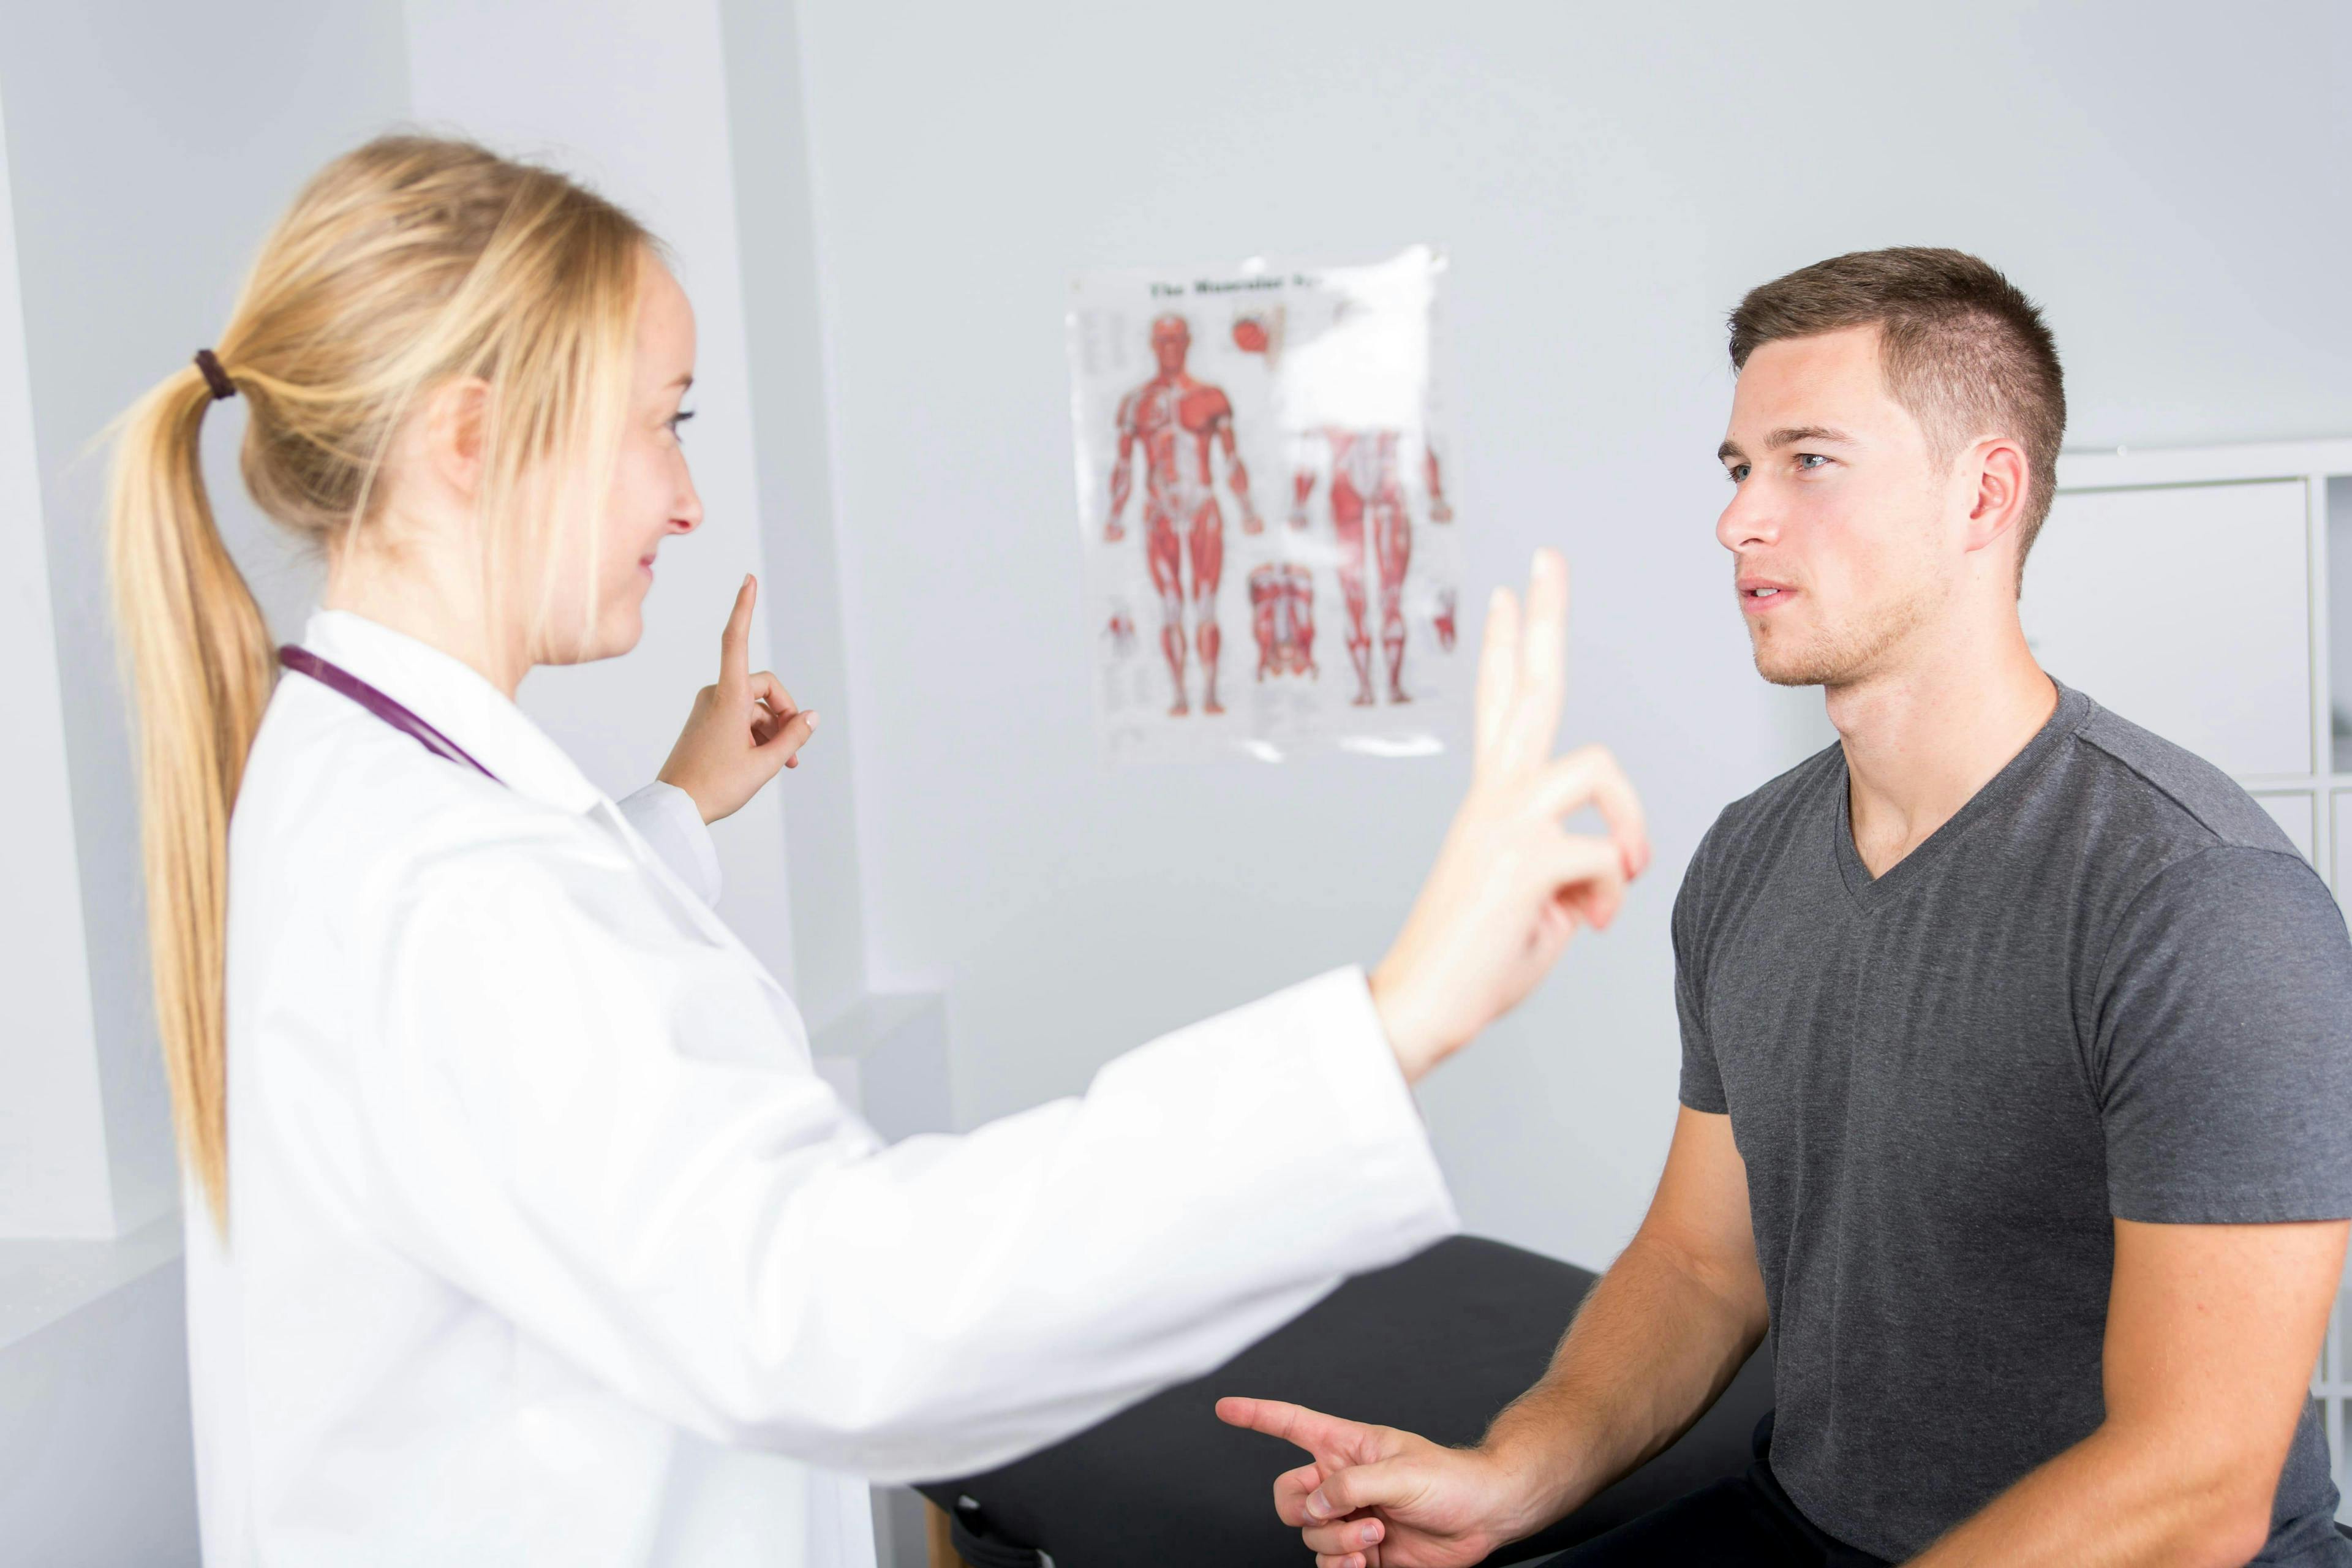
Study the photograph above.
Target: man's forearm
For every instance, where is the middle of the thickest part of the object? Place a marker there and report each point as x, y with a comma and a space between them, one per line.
1652, 1348
2117, 1501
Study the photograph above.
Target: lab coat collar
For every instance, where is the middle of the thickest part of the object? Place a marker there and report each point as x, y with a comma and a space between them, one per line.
455, 699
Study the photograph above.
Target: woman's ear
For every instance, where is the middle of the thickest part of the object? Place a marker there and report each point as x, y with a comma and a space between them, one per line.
456, 414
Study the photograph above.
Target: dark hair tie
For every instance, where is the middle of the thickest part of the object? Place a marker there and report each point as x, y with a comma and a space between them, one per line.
215, 377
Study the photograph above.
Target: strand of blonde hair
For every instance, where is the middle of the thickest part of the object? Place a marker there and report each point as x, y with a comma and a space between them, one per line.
198, 655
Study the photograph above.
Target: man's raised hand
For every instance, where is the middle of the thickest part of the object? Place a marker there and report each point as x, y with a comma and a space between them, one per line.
1511, 885
743, 727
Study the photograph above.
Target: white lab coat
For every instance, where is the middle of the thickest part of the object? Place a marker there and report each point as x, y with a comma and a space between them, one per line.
549, 1245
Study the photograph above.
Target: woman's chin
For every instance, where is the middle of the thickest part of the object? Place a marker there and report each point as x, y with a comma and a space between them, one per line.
615, 633
620, 632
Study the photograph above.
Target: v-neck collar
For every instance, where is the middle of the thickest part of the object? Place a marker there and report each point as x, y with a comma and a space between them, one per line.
1870, 893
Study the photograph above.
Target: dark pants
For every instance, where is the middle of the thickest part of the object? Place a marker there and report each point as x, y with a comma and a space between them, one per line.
1747, 1520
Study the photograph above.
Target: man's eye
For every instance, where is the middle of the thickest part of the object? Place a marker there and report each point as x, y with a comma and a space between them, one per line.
1737, 471
1809, 459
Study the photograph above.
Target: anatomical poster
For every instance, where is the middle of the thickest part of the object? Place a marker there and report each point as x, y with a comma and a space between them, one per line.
1264, 501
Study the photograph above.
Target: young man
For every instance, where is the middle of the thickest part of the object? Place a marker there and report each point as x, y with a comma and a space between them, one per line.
2017, 1055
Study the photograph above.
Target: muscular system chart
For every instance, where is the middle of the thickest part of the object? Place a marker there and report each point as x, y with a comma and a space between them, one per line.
1192, 391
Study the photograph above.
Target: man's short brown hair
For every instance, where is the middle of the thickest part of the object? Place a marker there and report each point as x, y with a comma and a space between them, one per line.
1962, 349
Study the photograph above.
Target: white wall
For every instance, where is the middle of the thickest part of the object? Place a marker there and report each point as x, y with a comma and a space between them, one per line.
54, 1177
793, 429
1609, 180
149, 148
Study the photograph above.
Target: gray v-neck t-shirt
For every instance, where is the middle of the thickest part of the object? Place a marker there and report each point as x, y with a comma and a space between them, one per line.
2109, 987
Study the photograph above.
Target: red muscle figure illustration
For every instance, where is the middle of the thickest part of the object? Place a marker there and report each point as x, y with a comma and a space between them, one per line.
1298, 593
1282, 614
1178, 420
1364, 486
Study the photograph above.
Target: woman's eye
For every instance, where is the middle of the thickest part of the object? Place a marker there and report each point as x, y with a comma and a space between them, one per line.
678, 418
1809, 459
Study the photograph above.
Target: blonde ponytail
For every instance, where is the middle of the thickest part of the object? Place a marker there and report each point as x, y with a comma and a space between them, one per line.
407, 262
199, 658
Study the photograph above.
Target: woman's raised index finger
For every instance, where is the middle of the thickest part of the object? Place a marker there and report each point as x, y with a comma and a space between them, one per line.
735, 641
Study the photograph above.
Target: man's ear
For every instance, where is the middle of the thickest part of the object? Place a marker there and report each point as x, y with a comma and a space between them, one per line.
456, 413
2001, 479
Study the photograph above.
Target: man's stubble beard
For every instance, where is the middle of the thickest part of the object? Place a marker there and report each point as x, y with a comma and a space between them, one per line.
1839, 655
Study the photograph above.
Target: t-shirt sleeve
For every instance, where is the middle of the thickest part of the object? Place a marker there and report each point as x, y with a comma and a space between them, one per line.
1702, 1080
2222, 1045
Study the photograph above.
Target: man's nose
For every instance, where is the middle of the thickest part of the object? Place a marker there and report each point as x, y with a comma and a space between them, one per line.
1749, 519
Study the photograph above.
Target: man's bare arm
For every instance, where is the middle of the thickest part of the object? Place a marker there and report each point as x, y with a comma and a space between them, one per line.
1656, 1342
2212, 1331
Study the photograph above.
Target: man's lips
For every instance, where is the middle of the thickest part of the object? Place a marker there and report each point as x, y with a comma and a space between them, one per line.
1762, 595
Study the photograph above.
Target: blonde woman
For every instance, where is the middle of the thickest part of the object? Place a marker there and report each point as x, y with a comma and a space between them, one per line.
520, 1229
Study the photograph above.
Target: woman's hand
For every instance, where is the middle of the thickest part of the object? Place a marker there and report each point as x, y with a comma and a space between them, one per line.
742, 730
1510, 885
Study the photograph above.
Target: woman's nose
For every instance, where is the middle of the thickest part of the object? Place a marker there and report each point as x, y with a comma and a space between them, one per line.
688, 514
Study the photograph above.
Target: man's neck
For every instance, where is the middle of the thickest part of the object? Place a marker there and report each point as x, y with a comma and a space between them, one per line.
1922, 738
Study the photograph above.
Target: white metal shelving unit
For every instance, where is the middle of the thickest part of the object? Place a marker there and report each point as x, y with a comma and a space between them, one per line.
2190, 590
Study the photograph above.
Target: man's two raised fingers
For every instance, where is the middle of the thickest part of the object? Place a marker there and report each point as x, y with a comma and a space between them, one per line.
735, 640
1590, 776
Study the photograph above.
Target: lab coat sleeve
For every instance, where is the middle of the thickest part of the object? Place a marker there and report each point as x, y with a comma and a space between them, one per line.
618, 1141
666, 819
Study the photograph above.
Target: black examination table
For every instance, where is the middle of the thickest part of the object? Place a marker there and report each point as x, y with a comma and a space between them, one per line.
1436, 1344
